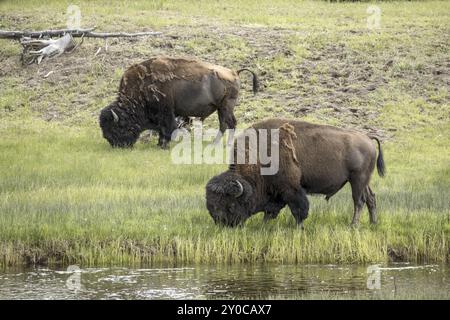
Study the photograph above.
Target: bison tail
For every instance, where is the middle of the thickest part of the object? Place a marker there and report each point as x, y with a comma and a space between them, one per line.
255, 79
381, 167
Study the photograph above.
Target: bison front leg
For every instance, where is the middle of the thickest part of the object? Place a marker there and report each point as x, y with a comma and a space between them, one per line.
167, 125
160, 139
299, 205
272, 210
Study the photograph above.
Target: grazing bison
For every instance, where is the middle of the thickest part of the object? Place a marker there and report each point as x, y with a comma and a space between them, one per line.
313, 159
152, 94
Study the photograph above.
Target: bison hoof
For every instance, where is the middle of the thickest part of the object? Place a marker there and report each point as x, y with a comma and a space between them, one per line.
354, 225
164, 145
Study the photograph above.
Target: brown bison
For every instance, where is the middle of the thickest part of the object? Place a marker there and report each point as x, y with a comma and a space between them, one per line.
152, 94
313, 159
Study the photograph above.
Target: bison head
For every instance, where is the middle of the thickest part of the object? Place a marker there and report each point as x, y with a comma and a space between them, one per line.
229, 199
117, 127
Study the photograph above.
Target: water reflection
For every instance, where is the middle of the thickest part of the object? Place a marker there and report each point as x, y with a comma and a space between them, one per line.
234, 282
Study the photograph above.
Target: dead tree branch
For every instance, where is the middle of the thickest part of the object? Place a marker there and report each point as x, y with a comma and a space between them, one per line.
120, 34
44, 33
38, 45
87, 33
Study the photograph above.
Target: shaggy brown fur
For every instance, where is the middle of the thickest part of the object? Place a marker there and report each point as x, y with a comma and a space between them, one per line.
153, 93
163, 69
314, 159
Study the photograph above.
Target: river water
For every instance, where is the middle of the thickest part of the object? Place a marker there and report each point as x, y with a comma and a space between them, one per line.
394, 281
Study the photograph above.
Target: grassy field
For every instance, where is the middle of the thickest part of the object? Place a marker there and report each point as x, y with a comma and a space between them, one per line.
67, 197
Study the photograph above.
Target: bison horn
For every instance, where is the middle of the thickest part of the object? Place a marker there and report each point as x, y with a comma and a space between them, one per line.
241, 189
115, 116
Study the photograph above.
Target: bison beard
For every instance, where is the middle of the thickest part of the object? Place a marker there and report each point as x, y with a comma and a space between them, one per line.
314, 159
152, 94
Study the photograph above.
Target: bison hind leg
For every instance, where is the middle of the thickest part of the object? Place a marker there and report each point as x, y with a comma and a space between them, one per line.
359, 185
371, 204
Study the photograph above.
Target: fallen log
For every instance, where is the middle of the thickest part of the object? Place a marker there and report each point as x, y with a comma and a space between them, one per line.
44, 33
38, 45
87, 33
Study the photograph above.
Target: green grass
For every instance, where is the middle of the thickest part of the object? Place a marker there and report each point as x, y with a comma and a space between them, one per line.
330, 295
67, 197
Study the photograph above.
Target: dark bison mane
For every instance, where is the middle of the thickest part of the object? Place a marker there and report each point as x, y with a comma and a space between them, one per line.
123, 121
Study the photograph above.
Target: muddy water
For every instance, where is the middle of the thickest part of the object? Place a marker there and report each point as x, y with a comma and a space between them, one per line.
236, 282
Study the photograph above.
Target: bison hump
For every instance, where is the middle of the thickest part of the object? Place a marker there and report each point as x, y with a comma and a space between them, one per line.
287, 140
162, 69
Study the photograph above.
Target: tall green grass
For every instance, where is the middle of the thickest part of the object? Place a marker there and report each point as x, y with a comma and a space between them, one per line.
67, 197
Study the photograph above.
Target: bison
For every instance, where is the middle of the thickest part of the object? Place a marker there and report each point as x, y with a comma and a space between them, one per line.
156, 92
313, 159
